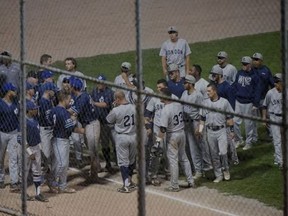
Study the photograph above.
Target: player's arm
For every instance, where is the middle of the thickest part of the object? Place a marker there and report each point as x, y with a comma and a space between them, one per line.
264, 115
126, 79
187, 63
164, 65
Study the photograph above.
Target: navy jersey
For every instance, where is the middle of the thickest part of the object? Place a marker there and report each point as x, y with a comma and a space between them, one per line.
266, 79
226, 91
247, 88
44, 110
63, 125
8, 116
83, 106
33, 132
106, 95
176, 88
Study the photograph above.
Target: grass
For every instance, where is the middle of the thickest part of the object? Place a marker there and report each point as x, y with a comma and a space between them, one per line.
255, 177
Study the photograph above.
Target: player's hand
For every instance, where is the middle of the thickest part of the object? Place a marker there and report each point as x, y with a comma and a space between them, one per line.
254, 108
32, 157
149, 132
232, 135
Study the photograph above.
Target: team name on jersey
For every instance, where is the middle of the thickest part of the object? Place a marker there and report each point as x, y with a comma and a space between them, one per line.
244, 81
175, 51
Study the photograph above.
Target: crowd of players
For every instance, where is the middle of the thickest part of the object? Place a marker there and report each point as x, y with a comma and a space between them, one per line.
62, 113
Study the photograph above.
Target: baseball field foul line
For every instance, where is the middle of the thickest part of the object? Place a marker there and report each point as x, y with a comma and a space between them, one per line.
178, 199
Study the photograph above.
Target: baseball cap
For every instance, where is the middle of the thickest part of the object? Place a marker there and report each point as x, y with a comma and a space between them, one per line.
172, 67
172, 29
278, 77
29, 86
76, 83
190, 79
46, 74
48, 86
101, 77
222, 54
257, 56
126, 66
30, 105
216, 70
246, 59
8, 87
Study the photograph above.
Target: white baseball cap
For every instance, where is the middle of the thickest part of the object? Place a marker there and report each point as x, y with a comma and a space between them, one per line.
172, 29
222, 54
190, 79
216, 69
126, 66
257, 56
172, 67
246, 59
278, 76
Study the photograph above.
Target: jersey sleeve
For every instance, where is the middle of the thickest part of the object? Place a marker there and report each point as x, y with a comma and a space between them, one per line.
111, 117
163, 50
187, 49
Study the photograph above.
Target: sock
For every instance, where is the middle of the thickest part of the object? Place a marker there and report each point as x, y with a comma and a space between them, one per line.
37, 183
125, 175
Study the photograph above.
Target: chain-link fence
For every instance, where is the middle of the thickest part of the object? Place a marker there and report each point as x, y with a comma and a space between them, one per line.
94, 153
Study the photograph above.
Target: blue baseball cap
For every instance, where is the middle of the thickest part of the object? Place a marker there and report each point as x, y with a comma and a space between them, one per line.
101, 77
48, 86
29, 86
30, 105
8, 87
76, 83
46, 74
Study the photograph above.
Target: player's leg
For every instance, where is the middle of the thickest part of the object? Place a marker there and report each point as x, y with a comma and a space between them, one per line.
183, 159
212, 139
194, 147
223, 146
75, 139
276, 135
3, 148
172, 153
92, 133
61, 151
232, 152
105, 133
237, 123
13, 149
207, 163
249, 126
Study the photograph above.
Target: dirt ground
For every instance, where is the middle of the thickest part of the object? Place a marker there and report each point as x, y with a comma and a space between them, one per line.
88, 28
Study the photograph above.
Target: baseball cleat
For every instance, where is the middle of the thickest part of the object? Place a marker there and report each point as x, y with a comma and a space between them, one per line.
124, 190
172, 189
218, 179
41, 198
67, 190
226, 175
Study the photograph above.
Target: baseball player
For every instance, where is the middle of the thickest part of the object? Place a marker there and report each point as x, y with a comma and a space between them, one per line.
153, 114
191, 119
63, 125
247, 92
201, 84
10, 69
266, 82
175, 83
33, 149
229, 70
86, 113
175, 51
8, 135
216, 131
273, 104
125, 77
46, 128
71, 66
172, 125
225, 90
103, 98
123, 119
